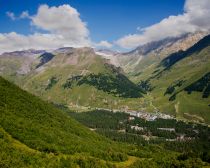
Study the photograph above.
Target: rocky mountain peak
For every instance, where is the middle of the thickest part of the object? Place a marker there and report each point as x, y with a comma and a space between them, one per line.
172, 44
29, 52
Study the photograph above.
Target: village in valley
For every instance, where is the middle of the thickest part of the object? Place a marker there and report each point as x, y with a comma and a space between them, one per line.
149, 116
149, 130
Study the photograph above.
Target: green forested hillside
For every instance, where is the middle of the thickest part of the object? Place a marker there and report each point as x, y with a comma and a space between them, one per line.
34, 126
81, 79
141, 62
179, 85
164, 132
175, 81
34, 133
202, 85
76, 77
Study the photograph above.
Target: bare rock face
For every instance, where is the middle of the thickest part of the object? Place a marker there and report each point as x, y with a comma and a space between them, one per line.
63, 50
30, 52
171, 44
160, 49
23, 62
109, 55
20, 62
183, 43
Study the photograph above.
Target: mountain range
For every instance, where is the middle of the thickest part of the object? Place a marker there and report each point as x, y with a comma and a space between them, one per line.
80, 107
169, 76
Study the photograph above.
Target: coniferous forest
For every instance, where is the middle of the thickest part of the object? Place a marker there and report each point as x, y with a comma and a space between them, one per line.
36, 133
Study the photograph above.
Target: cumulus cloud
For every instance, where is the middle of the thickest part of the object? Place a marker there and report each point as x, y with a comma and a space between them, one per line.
13, 41
63, 20
196, 17
104, 44
63, 28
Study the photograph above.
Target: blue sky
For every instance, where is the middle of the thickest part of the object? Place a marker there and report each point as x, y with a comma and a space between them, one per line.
106, 19
115, 22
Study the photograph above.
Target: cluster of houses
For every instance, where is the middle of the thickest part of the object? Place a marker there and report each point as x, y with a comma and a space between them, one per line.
167, 129
181, 138
144, 115
148, 116
137, 128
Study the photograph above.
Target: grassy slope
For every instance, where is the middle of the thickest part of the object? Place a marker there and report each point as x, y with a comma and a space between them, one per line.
16, 154
34, 133
188, 69
45, 129
84, 95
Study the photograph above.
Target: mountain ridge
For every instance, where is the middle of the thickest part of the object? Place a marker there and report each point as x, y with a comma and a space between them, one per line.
79, 77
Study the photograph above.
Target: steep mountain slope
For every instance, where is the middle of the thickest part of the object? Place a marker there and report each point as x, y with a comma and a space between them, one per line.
180, 83
19, 63
142, 61
34, 133
77, 78
40, 133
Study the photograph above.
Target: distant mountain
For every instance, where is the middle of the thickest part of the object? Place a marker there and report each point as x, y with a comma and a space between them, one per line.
180, 83
19, 62
143, 58
175, 74
110, 55
30, 52
106, 52
63, 50
83, 78
156, 46
76, 77
196, 48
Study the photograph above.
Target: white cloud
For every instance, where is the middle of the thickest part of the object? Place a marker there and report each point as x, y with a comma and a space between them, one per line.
11, 15
13, 41
63, 20
64, 27
24, 15
196, 17
62, 24
104, 44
